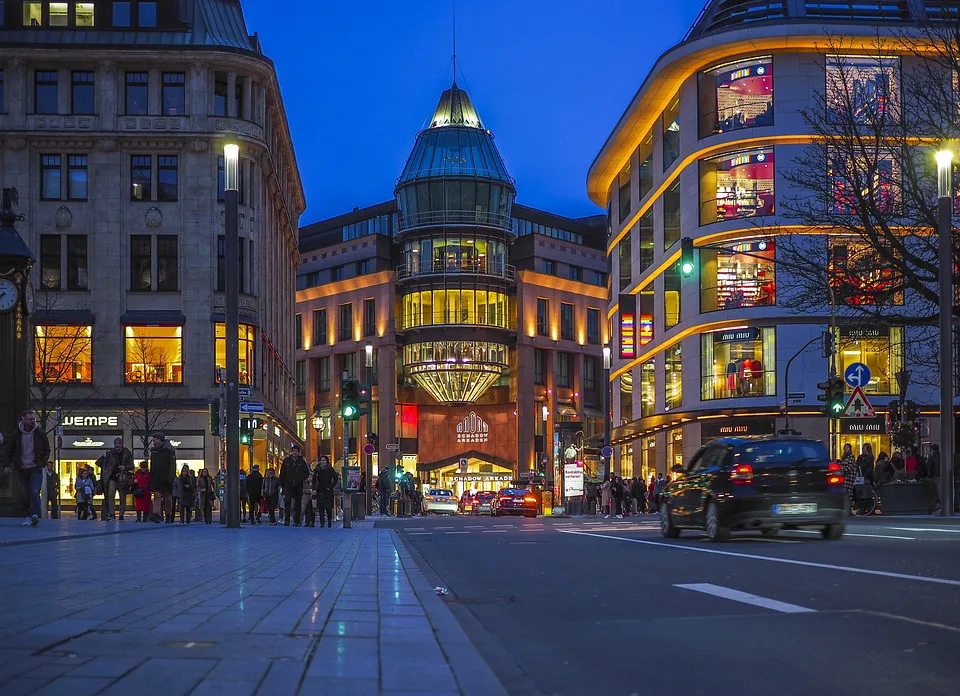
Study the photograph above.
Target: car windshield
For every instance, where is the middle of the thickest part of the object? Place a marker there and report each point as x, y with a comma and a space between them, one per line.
440, 493
485, 495
778, 453
512, 491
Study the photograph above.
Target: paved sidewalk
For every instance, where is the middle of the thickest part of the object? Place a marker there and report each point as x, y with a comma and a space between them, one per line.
201, 610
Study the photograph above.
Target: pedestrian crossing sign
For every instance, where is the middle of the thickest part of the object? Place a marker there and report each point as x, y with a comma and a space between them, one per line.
858, 406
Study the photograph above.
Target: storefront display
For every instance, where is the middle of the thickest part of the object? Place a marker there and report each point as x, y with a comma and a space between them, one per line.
738, 362
860, 275
742, 95
863, 89
880, 349
735, 427
738, 275
858, 432
744, 184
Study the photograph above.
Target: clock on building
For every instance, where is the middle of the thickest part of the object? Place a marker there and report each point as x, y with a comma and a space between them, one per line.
9, 294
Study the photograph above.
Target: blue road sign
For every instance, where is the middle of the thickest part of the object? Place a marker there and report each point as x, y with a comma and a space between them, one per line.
251, 407
857, 375
607, 451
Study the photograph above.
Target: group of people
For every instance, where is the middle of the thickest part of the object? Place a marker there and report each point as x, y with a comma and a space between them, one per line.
908, 465
619, 496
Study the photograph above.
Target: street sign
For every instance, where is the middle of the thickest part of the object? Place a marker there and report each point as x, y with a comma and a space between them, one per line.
463, 464
796, 396
251, 407
391, 447
607, 451
857, 375
858, 406
244, 392
369, 448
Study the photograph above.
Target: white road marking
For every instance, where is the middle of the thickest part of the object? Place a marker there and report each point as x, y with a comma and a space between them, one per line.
768, 540
419, 533
459, 532
772, 559
852, 534
746, 598
496, 531
443, 527
473, 526
925, 529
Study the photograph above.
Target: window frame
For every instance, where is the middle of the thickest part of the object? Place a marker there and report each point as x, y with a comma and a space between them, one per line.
165, 165
145, 164
369, 317
76, 83
180, 86
345, 321
49, 167
163, 284
593, 326
42, 79
80, 347
75, 271
135, 84
543, 320
78, 163
140, 261
568, 322
319, 317
126, 362
47, 255
564, 371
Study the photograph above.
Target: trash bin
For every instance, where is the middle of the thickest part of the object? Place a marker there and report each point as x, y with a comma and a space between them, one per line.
358, 506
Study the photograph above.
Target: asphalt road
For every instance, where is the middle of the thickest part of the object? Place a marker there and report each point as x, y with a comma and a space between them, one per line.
593, 606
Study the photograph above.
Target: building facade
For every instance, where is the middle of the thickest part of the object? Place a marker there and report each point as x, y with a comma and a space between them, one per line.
113, 117
483, 318
705, 151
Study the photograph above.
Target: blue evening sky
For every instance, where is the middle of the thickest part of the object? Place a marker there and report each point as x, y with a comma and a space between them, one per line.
550, 78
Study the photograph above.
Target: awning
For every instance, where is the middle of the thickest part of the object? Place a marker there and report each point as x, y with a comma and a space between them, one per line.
154, 317
63, 317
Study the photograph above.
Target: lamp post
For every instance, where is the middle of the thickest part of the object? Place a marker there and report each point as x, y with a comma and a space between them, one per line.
368, 493
318, 425
231, 185
945, 232
606, 407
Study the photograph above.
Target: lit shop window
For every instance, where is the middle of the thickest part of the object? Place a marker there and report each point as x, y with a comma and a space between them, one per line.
869, 183
455, 306
247, 341
736, 95
648, 394
738, 275
880, 349
62, 354
863, 274
674, 449
154, 354
737, 363
626, 397
737, 185
454, 255
673, 393
863, 90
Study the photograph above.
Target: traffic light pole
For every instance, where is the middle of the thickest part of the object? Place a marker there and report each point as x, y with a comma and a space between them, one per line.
786, 382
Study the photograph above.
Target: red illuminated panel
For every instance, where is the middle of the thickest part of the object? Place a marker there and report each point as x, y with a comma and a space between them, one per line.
628, 336
646, 329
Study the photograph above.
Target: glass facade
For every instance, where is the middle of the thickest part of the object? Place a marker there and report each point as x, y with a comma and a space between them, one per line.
671, 134
63, 354
153, 354
671, 295
737, 363
648, 392
623, 181
863, 274
673, 377
456, 306
626, 397
741, 185
737, 95
455, 254
738, 275
880, 349
247, 344
872, 182
525, 227
863, 89
455, 371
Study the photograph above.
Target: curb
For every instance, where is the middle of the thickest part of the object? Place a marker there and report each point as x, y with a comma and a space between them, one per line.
24, 542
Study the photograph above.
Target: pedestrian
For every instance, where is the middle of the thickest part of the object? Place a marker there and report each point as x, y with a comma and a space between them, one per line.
97, 490
848, 467
325, 481
605, 496
243, 494
53, 491
931, 470
384, 487
616, 492
111, 463
883, 471
865, 462
898, 464
163, 469
176, 493
188, 493
306, 500
142, 492
658, 489
591, 498
84, 488
208, 491
638, 492
255, 493
293, 472
271, 494
27, 451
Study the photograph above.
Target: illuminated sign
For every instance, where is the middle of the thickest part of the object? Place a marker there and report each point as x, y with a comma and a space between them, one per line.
646, 329
472, 429
628, 327
87, 442
87, 421
470, 478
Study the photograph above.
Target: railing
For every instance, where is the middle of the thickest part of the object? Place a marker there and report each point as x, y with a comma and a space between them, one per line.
462, 318
478, 218
759, 204
475, 268
737, 384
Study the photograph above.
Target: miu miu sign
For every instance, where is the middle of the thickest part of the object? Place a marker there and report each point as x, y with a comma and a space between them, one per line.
472, 429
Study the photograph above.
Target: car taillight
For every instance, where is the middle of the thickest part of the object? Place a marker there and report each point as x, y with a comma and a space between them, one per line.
529, 499
742, 474
834, 477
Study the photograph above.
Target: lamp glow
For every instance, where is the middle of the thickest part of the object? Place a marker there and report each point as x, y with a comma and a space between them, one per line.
231, 167
606, 357
944, 171
368, 349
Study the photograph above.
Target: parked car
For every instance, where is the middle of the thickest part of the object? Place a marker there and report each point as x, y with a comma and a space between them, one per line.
516, 501
466, 501
440, 501
483, 503
767, 484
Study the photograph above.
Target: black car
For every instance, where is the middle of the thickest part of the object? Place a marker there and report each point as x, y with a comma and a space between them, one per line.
767, 484
516, 501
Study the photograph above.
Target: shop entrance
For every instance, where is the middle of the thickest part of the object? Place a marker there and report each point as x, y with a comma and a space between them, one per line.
480, 473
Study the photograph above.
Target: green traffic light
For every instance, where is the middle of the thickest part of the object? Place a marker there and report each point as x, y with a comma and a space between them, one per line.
348, 411
686, 268
837, 407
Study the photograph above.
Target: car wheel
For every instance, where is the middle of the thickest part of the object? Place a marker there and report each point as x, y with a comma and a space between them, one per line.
666, 523
832, 531
771, 532
715, 532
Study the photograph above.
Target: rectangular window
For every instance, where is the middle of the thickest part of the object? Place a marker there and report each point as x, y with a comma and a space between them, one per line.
345, 325
646, 165
539, 370
645, 242
550, 267
32, 14
337, 273
600, 279
564, 378
174, 96
59, 14
864, 274
168, 177
566, 321
141, 177
738, 275
863, 90
167, 263
220, 96
84, 14
301, 377
221, 179
50, 270
673, 393
77, 177
736, 95
742, 184
590, 371
298, 331
880, 349
593, 327
543, 317
320, 327
141, 263
76, 262
153, 354
246, 345
370, 317
671, 215
671, 296
671, 134
238, 91
738, 363
323, 374
82, 92
349, 361
871, 181
121, 14
50, 178
63, 354
625, 261
576, 273
648, 394
366, 266
626, 396
146, 14
221, 263
136, 93
46, 93
626, 204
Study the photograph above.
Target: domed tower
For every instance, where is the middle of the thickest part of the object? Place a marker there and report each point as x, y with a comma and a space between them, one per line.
457, 317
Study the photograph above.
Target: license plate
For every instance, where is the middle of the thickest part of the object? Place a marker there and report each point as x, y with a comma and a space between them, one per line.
795, 509
484, 507
518, 500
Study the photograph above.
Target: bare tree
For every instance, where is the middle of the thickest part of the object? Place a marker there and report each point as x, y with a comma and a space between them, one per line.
154, 408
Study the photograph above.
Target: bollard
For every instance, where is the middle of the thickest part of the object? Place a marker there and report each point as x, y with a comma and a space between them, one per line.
347, 504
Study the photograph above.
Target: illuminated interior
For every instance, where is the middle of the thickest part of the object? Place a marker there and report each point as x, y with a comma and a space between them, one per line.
153, 354
742, 183
879, 349
63, 354
860, 275
454, 254
247, 341
738, 363
455, 372
738, 275
742, 95
876, 178
863, 89
456, 306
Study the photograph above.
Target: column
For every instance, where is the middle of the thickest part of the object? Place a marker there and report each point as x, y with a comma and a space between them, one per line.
16, 94
247, 86
526, 423
107, 95
232, 95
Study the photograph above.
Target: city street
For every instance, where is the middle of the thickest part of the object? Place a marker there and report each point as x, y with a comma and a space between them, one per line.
586, 605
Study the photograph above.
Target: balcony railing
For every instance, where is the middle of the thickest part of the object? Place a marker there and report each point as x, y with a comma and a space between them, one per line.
471, 268
757, 204
474, 218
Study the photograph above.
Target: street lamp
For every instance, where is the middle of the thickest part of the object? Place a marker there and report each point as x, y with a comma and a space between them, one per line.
945, 232
231, 185
606, 407
368, 494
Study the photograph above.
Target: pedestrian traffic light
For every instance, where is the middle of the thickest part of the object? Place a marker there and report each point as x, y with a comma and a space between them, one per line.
909, 411
246, 435
215, 419
350, 399
833, 396
686, 257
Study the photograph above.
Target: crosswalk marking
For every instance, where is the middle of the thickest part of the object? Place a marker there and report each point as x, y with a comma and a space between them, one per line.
745, 598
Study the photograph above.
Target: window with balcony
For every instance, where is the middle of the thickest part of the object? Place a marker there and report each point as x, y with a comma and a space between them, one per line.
863, 274
863, 90
564, 371
63, 354
738, 363
648, 393
671, 296
455, 306
319, 327
566, 321
737, 185
736, 95
370, 317
246, 345
671, 133
173, 94
738, 275
593, 327
671, 215
879, 348
136, 93
82, 92
345, 324
46, 92
153, 354
543, 317
623, 182
673, 377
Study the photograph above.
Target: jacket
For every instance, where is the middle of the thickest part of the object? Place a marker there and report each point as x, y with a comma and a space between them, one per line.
605, 493
112, 463
84, 489
254, 486
177, 488
207, 489
41, 447
293, 472
163, 467
188, 488
271, 486
324, 482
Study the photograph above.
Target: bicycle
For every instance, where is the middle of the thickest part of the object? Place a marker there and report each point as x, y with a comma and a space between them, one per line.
864, 500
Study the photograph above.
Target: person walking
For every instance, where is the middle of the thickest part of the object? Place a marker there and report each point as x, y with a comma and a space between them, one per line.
306, 502
271, 494
27, 452
176, 494
384, 487
84, 488
243, 494
591, 491
848, 467
163, 469
605, 496
638, 491
293, 472
142, 492
111, 463
865, 462
616, 492
208, 491
53, 490
324, 481
255, 493
188, 494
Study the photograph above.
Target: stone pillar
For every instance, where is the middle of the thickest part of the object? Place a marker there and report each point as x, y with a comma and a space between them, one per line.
155, 106
199, 96
526, 413
107, 96
247, 86
232, 95
18, 102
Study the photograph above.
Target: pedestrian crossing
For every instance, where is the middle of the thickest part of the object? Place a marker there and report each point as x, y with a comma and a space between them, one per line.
420, 527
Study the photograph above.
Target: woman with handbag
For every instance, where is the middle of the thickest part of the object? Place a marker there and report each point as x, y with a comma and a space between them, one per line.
141, 492
208, 491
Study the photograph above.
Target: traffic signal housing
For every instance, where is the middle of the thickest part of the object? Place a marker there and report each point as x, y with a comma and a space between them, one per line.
910, 411
350, 400
215, 419
686, 257
833, 396
246, 432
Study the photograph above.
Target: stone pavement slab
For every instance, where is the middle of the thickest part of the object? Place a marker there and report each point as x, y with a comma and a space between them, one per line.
95, 608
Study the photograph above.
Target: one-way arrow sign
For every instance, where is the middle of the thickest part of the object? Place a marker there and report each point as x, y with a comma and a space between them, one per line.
858, 406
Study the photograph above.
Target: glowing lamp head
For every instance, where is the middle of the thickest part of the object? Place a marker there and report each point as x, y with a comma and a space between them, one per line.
231, 167
944, 173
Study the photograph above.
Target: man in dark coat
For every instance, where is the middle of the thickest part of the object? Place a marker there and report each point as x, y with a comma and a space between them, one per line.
293, 472
53, 490
112, 465
324, 481
27, 452
163, 468
254, 493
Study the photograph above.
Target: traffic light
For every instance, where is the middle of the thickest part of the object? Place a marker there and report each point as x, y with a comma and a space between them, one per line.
246, 434
833, 397
895, 415
909, 411
686, 257
350, 399
215, 419
373, 439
